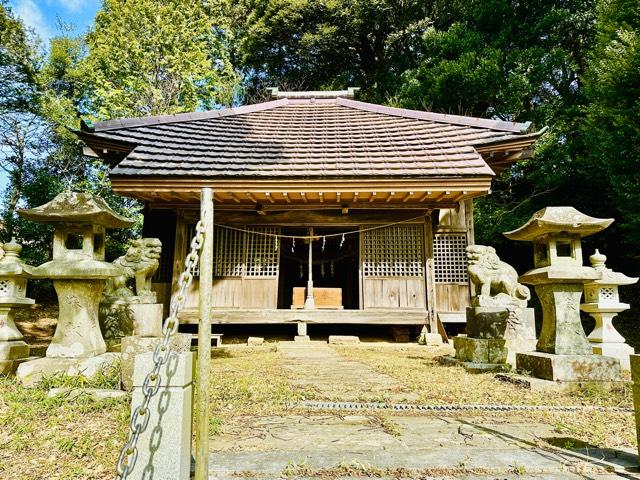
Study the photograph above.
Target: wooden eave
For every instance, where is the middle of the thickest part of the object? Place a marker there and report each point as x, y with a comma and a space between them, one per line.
306, 194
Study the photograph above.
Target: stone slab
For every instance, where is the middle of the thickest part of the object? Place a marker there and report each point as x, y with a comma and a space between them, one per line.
343, 340
569, 368
9, 367
30, 373
255, 341
621, 351
94, 393
432, 339
420, 447
480, 350
164, 447
475, 367
13, 350
519, 345
132, 346
302, 338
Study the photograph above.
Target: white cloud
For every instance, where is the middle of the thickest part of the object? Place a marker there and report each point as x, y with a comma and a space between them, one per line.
72, 5
33, 17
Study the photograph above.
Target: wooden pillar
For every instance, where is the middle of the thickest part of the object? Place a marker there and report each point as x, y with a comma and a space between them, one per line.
309, 303
471, 236
179, 251
429, 274
204, 337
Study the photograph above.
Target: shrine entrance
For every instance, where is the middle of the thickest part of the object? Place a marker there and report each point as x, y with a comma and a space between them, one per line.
335, 269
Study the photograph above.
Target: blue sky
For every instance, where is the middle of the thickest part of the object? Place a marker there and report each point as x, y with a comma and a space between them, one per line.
43, 15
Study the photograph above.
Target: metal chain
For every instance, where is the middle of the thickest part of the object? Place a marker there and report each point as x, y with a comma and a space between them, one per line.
151, 384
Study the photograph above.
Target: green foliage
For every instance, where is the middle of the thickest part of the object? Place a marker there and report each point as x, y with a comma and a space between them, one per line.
153, 57
612, 126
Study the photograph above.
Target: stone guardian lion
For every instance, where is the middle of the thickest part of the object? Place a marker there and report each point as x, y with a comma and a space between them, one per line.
493, 280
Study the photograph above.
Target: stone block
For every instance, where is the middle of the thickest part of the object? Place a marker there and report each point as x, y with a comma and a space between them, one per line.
31, 372
569, 368
302, 329
93, 393
519, 345
621, 351
302, 338
432, 339
480, 350
13, 350
132, 346
343, 340
255, 341
147, 319
164, 447
486, 322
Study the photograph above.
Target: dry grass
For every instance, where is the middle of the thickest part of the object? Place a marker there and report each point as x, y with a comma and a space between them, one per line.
435, 384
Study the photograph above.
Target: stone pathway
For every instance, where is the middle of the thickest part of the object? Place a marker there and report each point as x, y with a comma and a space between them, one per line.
317, 368
384, 445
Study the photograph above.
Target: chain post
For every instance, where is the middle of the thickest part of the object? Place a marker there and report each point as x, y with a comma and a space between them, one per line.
204, 338
140, 417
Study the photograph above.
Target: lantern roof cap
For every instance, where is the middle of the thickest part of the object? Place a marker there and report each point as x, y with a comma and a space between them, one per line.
558, 220
609, 277
76, 207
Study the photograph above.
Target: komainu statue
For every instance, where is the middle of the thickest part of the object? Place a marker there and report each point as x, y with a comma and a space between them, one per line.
139, 264
495, 282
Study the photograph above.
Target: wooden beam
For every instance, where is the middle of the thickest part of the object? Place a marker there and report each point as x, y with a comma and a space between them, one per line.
308, 218
245, 316
372, 197
390, 196
458, 197
338, 197
407, 197
355, 197
234, 197
345, 209
251, 197
425, 196
304, 197
441, 196
268, 195
321, 197
286, 197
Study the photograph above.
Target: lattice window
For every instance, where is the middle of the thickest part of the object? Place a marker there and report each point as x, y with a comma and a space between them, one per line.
230, 248
4, 287
394, 251
262, 252
450, 257
608, 294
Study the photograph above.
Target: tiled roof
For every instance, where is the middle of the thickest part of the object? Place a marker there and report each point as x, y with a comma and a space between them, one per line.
305, 138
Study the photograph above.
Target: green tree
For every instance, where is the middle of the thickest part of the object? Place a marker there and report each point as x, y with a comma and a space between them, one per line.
612, 126
315, 44
153, 57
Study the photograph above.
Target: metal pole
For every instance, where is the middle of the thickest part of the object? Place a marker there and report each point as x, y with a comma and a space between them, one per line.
204, 338
309, 303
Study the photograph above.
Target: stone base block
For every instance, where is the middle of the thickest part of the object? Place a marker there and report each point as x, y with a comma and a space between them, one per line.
302, 338
147, 319
133, 345
486, 322
9, 367
93, 393
540, 385
164, 447
569, 368
343, 340
255, 341
432, 339
480, 350
31, 372
519, 345
13, 350
123, 318
621, 351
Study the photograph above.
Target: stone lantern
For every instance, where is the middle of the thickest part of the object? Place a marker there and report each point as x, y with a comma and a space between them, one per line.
563, 352
78, 269
13, 289
602, 302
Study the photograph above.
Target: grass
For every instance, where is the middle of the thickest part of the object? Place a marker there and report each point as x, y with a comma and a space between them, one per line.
57, 438
79, 438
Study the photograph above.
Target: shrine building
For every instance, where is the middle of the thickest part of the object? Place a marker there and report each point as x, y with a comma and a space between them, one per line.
327, 209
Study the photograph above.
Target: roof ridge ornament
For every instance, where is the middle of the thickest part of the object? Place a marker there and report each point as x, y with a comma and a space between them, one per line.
348, 93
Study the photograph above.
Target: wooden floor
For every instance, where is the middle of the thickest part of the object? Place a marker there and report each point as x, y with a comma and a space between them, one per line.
271, 316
